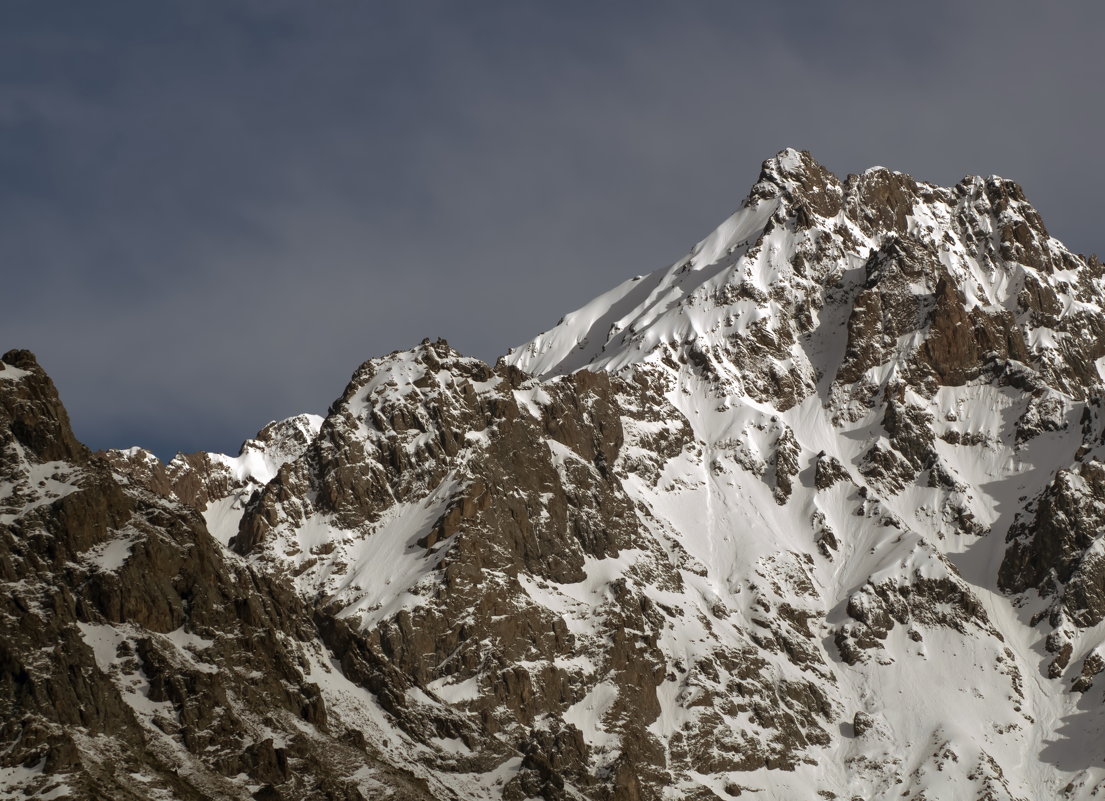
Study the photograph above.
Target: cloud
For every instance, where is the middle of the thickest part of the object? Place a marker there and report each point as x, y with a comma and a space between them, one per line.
212, 212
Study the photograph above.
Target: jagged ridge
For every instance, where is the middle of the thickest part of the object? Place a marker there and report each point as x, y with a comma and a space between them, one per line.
815, 510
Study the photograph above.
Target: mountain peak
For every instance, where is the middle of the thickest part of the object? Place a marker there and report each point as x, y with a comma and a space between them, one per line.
789, 164
801, 182
20, 359
31, 410
808, 260
721, 536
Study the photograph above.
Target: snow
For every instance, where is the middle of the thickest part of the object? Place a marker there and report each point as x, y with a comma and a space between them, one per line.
587, 715
223, 515
451, 745
113, 554
532, 399
105, 640
354, 706
735, 232
21, 782
384, 564
258, 461
11, 373
38, 485
186, 639
456, 692
257, 464
137, 450
577, 603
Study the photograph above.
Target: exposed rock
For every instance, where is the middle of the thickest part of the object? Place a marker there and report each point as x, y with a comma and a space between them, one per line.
1091, 666
133, 653
609, 567
786, 465
31, 414
828, 471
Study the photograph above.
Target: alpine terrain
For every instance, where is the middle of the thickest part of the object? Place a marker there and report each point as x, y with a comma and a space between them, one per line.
816, 512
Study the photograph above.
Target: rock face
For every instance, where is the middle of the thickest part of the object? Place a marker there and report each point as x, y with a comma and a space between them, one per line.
138, 658
216, 485
815, 512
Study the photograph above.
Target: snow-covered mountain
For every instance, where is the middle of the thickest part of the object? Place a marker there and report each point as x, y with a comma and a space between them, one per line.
815, 512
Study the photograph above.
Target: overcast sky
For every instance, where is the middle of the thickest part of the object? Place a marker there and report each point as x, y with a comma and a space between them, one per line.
212, 212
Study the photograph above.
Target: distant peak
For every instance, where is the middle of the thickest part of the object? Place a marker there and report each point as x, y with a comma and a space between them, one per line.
791, 166
30, 407
797, 178
995, 188
789, 161
759, 281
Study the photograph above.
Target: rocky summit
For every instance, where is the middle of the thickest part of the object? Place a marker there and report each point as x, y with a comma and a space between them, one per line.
816, 512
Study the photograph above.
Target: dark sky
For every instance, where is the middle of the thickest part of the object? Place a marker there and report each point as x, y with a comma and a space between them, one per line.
212, 212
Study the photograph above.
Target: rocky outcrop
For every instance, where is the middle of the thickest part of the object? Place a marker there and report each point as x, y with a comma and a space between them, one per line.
32, 415
1055, 546
135, 658
214, 484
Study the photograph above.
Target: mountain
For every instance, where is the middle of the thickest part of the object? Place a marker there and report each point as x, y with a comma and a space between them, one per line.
813, 513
